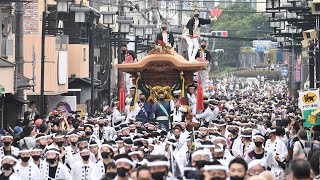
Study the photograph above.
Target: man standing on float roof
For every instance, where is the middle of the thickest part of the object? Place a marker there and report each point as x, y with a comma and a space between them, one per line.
191, 33
204, 55
165, 35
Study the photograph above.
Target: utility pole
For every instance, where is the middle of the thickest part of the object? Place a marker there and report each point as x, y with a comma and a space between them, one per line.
43, 42
19, 42
91, 62
311, 64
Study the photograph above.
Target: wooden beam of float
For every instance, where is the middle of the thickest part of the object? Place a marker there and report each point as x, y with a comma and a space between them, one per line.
162, 69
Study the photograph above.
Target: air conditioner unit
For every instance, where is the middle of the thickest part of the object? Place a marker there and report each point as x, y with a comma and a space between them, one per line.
310, 34
315, 7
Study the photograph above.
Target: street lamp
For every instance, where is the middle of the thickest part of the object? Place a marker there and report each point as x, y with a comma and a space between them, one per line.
149, 29
108, 17
124, 24
272, 6
63, 5
139, 31
80, 13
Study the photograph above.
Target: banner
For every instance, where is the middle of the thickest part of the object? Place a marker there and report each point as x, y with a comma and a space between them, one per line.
309, 102
143, 88
296, 72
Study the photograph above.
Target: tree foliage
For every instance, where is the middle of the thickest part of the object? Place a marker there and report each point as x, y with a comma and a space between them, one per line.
241, 24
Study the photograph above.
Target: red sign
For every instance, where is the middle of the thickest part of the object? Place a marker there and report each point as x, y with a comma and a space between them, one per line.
297, 72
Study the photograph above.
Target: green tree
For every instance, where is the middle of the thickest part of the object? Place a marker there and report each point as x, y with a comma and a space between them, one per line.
244, 24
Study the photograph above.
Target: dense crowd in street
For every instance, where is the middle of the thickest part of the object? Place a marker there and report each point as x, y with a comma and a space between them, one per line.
247, 130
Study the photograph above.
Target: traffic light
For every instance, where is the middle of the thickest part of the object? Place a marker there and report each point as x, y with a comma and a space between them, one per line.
220, 33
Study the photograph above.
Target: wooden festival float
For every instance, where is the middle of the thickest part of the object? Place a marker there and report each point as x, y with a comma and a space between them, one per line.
160, 70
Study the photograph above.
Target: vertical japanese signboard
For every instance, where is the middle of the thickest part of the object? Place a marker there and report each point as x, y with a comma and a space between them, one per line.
296, 71
309, 102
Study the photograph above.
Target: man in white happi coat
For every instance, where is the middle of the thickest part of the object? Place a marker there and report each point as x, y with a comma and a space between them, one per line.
106, 153
82, 144
208, 114
104, 131
7, 164
7, 148
51, 168
178, 107
275, 152
26, 170
72, 150
84, 167
192, 99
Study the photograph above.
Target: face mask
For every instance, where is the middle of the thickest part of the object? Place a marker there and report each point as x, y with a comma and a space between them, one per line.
51, 161
122, 172
236, 178
142, 100
36, 157
177, 96
203, 46
233, 131
111, 175
88, 133
101, 125
200, 164
164, 28
161, 99
85, 158
258, 144
6, 166
59, 143
42, 146
73, 143
25, 159
6, 143
158, 175
196, 15
105, 155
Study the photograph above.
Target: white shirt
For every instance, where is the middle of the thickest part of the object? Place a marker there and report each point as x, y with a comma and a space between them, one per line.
82, 171
165, 37
62, 172
14, 151
31, 172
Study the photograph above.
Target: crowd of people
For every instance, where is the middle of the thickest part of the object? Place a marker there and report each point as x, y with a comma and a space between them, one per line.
247, 130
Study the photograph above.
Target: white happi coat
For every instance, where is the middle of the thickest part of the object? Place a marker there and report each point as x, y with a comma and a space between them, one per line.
206, 115
62, 172
108, 133
238, 149
227, 157
192, 102
70, 155
271, 149
14, 176
98, 172
117, 117
31, 172
178, 113
14, 151
81, 171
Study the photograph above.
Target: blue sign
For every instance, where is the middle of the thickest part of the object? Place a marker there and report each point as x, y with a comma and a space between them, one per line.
261, 48
284, 71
